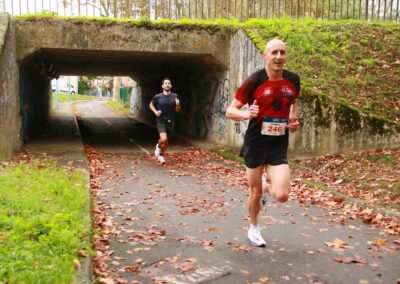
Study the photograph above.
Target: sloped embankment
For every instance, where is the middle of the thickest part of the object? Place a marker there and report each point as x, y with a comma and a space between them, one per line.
353, 63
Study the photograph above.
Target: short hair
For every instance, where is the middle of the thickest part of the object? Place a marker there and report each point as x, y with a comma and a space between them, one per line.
166, 78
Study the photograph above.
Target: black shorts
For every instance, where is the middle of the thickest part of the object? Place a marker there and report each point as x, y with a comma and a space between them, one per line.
255, 156
165, 126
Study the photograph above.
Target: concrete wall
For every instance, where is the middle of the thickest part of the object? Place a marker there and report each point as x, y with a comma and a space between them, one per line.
328, 127
10, 123
245, 59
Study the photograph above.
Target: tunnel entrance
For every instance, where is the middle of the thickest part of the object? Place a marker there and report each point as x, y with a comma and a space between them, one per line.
195, 78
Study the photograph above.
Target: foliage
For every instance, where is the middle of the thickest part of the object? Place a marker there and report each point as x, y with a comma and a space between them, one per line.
42, 222
64, 97
83, 85
118, 107
334, 59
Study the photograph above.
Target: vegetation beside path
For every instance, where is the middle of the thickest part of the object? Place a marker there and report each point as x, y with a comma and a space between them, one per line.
43, 222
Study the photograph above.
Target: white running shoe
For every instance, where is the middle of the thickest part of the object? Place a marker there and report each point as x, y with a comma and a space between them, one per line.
161, 159
157, 151
255, 237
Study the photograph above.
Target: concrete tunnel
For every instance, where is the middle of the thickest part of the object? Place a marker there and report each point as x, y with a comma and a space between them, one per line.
203, 64
187, 71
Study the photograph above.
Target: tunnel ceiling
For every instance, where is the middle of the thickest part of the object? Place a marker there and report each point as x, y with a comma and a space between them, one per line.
142, 66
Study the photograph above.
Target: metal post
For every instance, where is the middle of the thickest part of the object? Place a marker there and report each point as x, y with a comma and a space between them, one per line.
334, 15
329, 9
323, 9
57, 93
279, 8
298, 8
341, 9
384, 11
69, 89
247, 10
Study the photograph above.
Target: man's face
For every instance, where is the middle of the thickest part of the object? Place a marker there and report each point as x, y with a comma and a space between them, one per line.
166, 85
275, 56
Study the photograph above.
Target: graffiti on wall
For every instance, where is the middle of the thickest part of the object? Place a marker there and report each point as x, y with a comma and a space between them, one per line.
218, 108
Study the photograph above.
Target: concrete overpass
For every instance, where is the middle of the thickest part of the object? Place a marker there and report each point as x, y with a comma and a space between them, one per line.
206, 65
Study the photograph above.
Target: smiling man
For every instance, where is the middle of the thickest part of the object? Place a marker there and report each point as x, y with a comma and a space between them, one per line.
272, 95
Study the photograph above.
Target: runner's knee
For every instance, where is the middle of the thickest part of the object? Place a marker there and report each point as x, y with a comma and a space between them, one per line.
282, 196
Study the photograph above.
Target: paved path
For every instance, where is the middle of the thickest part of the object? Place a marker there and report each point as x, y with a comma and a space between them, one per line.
186, 222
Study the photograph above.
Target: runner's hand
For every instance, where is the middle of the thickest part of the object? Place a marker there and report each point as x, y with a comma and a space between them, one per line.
158, 113
293, 124
254, 109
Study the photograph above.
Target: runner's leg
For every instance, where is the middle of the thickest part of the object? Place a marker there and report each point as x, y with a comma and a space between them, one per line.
280, 181
163, 142
253, 203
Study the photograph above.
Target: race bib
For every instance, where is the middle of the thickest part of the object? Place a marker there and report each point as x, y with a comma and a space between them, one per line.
273, 126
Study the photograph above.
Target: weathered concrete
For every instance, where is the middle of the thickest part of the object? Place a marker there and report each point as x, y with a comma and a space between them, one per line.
329, 127
10, 122
112, 48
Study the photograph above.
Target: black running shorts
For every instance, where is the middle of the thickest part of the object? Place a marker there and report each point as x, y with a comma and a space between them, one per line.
165, 126
255, 156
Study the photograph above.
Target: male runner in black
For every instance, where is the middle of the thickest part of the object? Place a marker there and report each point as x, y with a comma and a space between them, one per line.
272, 95
164, 105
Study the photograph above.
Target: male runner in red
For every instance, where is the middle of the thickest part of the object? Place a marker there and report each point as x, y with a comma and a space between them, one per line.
272, 95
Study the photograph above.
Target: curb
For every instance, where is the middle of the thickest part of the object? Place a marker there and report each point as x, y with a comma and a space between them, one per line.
84, 273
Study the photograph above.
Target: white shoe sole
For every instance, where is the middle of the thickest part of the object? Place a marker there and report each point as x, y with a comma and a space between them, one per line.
262, 245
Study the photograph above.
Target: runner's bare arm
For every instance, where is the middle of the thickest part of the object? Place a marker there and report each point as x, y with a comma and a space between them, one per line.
234, 112
153, 109
293, 123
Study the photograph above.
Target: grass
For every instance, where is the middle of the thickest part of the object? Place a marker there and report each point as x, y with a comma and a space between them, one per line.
118, 107
64, 97
229, 155
42, 222
351, 61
